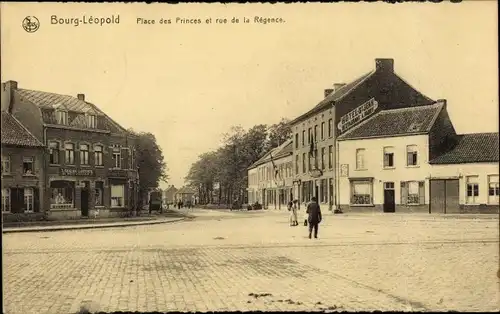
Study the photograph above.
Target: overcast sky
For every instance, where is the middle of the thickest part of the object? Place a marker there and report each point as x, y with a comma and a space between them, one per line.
188, 84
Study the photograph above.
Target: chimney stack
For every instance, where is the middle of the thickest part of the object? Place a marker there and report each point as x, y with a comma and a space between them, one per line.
7, 97
442, 101
384, 65
328, 91
338, 86
81, 96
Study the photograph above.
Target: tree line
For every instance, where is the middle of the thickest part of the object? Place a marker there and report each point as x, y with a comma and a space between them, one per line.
221, 176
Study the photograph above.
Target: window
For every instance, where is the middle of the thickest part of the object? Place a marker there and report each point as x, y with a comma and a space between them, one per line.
98, 155
360, 159
28, 166
62, 117
323, 153
84, 154
303, 137
330, 128
316, 133
388, 157
310, 161
117, 195
99, 192
324, 191
472, 190
92, 121
5, 164
5, 200
296, 140
69, 153
413, 193
322, 130
330, 156
493, 189
316, 159
62, 197
28, 200
131, 159
361, 192
117, 157
304, 163
411, 155
54, 153
297, 157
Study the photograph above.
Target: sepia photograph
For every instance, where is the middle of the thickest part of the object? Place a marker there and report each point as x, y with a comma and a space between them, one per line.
317, 157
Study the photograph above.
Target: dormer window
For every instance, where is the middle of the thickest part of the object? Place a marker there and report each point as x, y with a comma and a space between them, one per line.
92, 121
62, 117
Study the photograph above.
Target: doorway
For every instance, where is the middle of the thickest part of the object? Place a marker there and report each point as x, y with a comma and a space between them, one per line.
389, 198
444, 196
84, 199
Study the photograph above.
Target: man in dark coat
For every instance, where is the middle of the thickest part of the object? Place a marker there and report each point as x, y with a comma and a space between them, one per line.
314, 218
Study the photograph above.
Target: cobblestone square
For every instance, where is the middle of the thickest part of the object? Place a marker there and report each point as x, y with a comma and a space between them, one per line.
256, 261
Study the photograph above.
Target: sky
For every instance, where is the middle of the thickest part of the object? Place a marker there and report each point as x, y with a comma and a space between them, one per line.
189, 83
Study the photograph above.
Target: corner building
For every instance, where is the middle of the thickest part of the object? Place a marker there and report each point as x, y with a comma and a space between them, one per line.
344, 106
91, 165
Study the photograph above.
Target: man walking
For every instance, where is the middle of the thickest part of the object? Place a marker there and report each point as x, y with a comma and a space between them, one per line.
314, 218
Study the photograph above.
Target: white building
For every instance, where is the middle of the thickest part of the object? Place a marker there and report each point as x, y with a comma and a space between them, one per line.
270, 186
402, 160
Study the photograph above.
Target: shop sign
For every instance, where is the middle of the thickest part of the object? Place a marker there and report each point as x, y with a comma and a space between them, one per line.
117, 173
315, 173
357, 115
76, 172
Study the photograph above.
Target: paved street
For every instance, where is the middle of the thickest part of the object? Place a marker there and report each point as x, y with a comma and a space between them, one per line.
255, 261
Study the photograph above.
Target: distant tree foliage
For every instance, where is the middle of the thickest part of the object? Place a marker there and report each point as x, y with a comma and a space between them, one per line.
221, 176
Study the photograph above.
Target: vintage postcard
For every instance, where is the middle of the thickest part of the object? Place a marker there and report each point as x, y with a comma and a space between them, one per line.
249, 157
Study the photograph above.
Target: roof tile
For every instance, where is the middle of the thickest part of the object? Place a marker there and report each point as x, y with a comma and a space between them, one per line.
471, 148
14, 133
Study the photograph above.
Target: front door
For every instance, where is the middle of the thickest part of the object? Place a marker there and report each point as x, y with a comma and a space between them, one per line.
84, 197
389, 198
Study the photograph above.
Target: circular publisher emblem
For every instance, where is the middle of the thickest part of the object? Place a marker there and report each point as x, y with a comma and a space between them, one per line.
31, 24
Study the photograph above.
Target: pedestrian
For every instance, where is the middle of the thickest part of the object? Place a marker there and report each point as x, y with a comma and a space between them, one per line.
290, 218
314, 219
295, 208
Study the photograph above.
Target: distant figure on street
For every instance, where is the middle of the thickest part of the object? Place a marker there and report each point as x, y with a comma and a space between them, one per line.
293, 213
314, 218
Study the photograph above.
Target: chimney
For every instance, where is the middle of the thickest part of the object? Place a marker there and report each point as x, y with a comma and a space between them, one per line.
7, 98
384, 65
81, 96
337, 86
328, 91
442, 101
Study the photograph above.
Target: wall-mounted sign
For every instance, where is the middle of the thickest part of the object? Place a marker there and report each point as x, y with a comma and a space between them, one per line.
357, 115
77, 172
117, 173
344, 170
315, 173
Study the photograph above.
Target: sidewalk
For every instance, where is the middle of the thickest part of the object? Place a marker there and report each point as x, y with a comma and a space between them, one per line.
94, 224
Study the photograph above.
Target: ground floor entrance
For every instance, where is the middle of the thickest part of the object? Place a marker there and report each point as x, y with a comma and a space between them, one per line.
444, 195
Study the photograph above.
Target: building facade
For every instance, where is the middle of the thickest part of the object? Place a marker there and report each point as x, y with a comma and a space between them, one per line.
270, 179
412, 160
91, 165
168, 195
23, 170
185, 195
343, 107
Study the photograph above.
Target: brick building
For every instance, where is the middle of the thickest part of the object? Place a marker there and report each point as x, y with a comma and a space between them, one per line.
343, 107
23, 171
90, 159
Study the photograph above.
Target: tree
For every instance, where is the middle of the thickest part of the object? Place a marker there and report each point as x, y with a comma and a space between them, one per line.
150, 161
279, 133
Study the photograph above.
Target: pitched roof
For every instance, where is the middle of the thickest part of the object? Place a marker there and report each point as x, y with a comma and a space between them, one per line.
471, 148
283, 150
48, 100
185, 190
396, 122
335, 96
14, 133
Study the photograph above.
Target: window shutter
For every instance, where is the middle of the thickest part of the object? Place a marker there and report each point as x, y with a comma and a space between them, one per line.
408, 158
404, 193
36, 200
421, 192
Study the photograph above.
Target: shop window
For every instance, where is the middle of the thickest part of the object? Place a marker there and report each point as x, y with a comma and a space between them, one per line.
99, 194
472, 190
388, 157
413, 193
117, 195
54, 153
360, 159
5, 164
6, 200
28, 200
62, 195
493, 189
28, 166
411, 155
361, 192
98, 153
69, 154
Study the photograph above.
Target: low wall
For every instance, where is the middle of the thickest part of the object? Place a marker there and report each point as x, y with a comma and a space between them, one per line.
379, 208
22, 217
